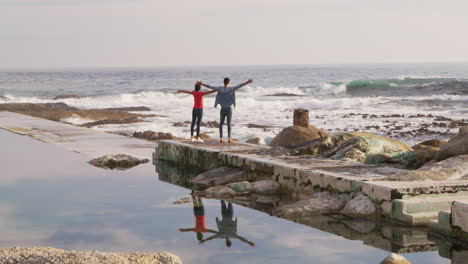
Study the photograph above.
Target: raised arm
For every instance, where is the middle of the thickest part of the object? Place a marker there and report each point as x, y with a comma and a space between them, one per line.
252, 244
243, 84
184, 91
185, 229
204, 84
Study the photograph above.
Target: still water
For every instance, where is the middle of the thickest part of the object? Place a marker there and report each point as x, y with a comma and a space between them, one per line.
52, 197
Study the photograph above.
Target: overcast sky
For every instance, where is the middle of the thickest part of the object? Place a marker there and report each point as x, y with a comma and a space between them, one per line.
145, 33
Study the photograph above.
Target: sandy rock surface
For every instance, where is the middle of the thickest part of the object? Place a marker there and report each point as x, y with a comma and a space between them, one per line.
297, 134
42, 255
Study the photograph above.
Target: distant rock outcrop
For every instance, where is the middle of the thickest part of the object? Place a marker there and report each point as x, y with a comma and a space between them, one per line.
37, 255
67, 96
151, 135
118, 161
3, 98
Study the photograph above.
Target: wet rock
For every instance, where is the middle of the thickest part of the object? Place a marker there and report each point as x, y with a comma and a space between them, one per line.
112, 122
182, 124
450, 169
360, 205
151, 135
61, 111
219, 176
218, 192
310, 207
67, 96
128, 109
37, 255
265, 187
360, 146
212, 124
457, 145
240, 187
118, 161
183, 200
3, 98
395, 259
297, 134
424, 154
259, 126
256, 141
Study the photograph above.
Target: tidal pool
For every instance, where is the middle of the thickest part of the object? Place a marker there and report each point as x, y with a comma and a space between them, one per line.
52, 197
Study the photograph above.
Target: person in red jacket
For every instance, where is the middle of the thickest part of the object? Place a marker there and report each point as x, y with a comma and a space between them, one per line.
197, 112
200, 219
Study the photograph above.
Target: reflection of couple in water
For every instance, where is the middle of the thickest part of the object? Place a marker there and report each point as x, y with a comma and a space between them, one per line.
227, 226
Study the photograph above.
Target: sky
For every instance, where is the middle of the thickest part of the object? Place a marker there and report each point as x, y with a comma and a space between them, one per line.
151, 33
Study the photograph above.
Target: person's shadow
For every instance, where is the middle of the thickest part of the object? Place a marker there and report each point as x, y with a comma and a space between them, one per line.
227, 226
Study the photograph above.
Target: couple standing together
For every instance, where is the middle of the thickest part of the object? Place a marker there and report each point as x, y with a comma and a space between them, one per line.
226, 97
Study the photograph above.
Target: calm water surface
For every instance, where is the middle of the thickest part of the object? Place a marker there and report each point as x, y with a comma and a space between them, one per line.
52, 197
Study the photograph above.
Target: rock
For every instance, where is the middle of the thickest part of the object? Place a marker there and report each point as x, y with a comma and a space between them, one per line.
265, 187
395, 259
151, 135
256, 141
112, 122
457, 145
297, 134
182, 124
61, 111
118, 161
424, 154
37, 255
259, 126
212, 124
240, 187
219, 176
360, 205
128, 109
3, 98
204, 136
284, 94
362, 147
430, 143
67, 96
183, 200
455, 168
310, 207
301, 118
217, 192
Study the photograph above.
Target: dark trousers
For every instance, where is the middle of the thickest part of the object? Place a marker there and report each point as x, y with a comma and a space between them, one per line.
226, 212
197, 115
225, 112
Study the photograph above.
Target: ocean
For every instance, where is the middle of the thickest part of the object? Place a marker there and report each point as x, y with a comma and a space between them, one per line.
410, 103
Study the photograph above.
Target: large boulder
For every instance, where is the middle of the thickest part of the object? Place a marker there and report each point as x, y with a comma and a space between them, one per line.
256, 141
265, 187
36, 255
454, 168
118, 161
362, 147
457, 145
395, 259
296, 135
360, 205
310, 207
219, 176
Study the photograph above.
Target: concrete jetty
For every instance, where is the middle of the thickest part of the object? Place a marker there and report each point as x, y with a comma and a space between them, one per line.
412, 203
83, 140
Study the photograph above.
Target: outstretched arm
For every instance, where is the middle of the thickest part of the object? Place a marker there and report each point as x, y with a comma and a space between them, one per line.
184, 91
252, 244
210, 92
185, 229
243, 84
209, 238
204, 84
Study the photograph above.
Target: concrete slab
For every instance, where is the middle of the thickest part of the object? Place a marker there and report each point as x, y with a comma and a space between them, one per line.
87, 141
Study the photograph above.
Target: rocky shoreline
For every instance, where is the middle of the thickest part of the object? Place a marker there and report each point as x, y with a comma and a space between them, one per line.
39, 255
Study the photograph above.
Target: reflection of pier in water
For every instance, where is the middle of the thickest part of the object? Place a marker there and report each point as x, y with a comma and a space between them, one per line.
385, 236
